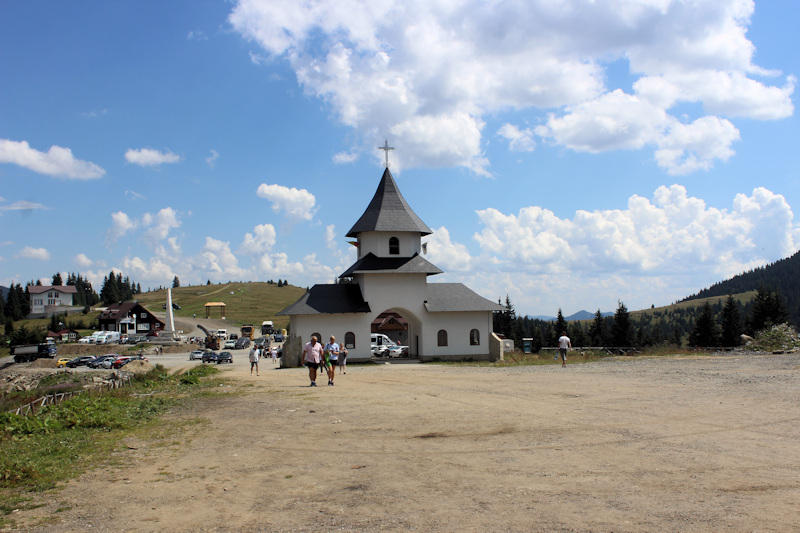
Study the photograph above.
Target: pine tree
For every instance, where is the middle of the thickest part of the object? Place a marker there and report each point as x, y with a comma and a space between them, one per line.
704, 332
731, 323
597, 331
176, 282
57, 281
561, 324
621, 327
768, 309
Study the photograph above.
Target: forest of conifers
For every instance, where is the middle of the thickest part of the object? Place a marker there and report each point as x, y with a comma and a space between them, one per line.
745, 304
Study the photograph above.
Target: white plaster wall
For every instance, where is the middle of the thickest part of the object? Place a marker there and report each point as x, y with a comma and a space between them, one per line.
458, 326
377, 242
337, 325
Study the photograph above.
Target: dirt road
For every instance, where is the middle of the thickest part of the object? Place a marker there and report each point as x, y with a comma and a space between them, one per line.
668, 444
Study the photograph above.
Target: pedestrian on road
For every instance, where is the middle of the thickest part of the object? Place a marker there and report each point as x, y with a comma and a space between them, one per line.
254, 355
274, 353
332, 349
564, 344
343, 359
312, 355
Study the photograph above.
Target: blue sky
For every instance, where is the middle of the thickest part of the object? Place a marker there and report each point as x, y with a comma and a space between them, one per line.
567, 154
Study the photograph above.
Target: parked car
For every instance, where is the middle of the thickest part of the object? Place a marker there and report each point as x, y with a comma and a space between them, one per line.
233, 336
209, 357
136, 339
230, 344
379, 351
225, 357
97, 362
196, 354
278, 337
174, 306
120, 361
261, 342
398, 350
242, 343
131, 358
85, 340
61, 363
81, 360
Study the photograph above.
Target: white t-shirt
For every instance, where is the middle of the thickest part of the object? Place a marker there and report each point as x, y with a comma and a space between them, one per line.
563, 342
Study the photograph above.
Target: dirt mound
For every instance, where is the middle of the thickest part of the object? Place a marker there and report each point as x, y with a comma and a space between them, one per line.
138, 367
43, 363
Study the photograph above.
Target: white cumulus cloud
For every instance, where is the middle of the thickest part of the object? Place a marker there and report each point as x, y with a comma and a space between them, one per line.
39, 254
82, 261
260, 241
428, 74
57, 161
148, 157
297, 204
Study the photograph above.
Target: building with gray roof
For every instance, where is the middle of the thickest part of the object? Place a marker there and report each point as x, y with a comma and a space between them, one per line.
446, 321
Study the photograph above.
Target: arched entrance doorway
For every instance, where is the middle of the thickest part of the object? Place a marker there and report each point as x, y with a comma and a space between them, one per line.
401, 327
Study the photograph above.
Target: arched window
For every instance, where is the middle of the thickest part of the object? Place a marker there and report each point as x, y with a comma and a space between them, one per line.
442, 337
474, 337
349, 340
394, 246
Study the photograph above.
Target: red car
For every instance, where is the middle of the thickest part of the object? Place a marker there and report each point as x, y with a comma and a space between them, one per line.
125, 359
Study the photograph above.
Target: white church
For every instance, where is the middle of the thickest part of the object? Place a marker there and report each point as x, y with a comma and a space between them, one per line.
446, 321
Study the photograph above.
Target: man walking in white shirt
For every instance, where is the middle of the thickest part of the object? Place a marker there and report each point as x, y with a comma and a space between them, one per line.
564, 344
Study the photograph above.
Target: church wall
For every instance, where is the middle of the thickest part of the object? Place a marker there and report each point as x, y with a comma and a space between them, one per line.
377, 242
383, 291
337, 325
458, 325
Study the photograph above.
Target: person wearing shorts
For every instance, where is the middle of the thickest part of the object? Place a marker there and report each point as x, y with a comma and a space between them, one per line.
254, 355
312, 355
332, 349
564, 344
342, 359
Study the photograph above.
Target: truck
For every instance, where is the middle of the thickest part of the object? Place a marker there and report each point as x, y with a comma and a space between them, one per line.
267, 327
212, 341
247, 331
24, 353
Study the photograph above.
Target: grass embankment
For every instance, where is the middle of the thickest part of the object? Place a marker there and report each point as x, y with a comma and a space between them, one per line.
245, 303
37, 453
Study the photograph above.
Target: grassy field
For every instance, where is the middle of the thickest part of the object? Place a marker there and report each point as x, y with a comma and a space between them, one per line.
245, 303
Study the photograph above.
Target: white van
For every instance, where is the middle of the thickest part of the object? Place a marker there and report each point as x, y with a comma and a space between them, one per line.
222, 334
380, 344
108, 337
94, 336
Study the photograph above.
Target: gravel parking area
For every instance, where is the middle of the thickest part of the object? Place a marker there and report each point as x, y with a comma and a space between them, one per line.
630, 444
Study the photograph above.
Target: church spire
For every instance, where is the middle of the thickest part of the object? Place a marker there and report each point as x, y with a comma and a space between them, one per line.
389, 211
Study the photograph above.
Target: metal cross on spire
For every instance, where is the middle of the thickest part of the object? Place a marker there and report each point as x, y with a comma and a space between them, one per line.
386, 149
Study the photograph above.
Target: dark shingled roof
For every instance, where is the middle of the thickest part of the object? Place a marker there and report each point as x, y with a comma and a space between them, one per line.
388, 211
371, 263
39, 289
345, 298
443, 297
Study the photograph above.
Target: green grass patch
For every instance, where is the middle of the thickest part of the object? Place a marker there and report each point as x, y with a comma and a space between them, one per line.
37, 453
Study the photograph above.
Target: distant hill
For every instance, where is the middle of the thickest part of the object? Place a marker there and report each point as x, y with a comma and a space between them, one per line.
783, 276
245, 303
580, 315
